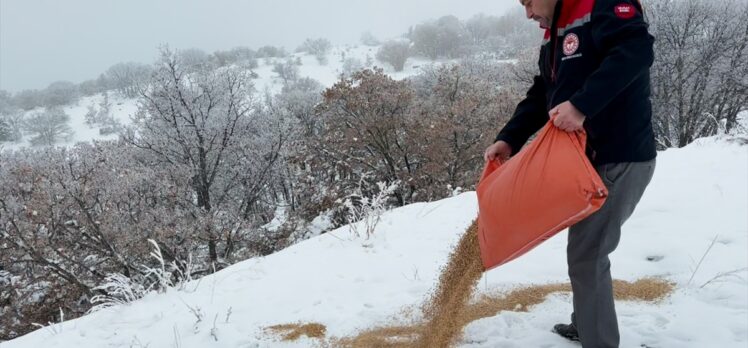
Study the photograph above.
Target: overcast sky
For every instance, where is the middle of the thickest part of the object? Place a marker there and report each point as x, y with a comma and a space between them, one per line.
42, 41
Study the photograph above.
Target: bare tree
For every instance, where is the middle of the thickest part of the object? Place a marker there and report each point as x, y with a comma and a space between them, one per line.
444, 37
60, 93
6, 102
193, 59
287, 70
48, 127
395, 53
102, 117
317, 47
12, 126
10, 118
368, 39
271, 52
6, 133
126, 77
90, 87
99, 114
296, 103
299, 100
366, 132
460, 107
425, 39
522, 72
28, 99
700, 75
235, 55
351, 65
206, 125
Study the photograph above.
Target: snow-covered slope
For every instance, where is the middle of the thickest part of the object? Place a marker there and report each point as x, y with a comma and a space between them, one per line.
326, 74
121, 109
329, 73
698, 194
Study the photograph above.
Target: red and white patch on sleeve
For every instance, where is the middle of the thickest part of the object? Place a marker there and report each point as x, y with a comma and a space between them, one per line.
571, 43
625, 11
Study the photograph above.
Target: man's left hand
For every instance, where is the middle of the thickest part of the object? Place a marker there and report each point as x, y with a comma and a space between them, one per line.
566, 117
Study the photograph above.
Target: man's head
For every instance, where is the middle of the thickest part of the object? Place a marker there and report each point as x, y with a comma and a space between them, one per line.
540, 11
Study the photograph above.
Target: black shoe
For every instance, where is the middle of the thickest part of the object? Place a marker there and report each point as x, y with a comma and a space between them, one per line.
567, 331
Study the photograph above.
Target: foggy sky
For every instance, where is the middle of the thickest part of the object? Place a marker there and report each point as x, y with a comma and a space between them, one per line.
42, 41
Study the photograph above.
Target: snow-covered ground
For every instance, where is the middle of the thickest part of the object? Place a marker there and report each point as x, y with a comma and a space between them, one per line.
699, 194
121, 110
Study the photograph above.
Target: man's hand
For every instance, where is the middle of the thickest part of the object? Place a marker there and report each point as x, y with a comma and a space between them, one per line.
566, 117
500, 150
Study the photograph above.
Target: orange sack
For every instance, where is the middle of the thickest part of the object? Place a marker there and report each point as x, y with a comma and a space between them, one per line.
548, 186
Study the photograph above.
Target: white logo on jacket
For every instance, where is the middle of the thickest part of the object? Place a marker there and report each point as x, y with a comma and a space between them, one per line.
571, 44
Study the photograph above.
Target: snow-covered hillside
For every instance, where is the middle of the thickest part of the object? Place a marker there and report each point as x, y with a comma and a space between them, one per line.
696, 207
326, 74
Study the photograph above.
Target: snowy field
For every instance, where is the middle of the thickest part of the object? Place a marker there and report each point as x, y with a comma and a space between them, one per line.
696, 207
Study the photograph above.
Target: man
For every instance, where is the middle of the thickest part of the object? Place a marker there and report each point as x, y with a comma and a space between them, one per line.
594, 76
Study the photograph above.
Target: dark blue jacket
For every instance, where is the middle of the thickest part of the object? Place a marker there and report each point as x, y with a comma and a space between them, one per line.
598, 58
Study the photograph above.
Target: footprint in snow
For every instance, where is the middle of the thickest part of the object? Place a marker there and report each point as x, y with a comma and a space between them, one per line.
655, 258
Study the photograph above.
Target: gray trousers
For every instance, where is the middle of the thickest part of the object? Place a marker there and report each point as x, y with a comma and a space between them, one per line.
590, 242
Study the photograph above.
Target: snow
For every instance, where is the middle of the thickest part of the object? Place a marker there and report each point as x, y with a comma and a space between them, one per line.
121, 110
279, 217
321, 223
699, 194
327, 74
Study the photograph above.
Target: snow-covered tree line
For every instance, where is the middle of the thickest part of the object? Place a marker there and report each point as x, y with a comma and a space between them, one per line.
208, 161
450, 37
125, 76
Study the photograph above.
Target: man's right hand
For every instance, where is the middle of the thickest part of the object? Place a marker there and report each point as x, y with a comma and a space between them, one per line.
500, 150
